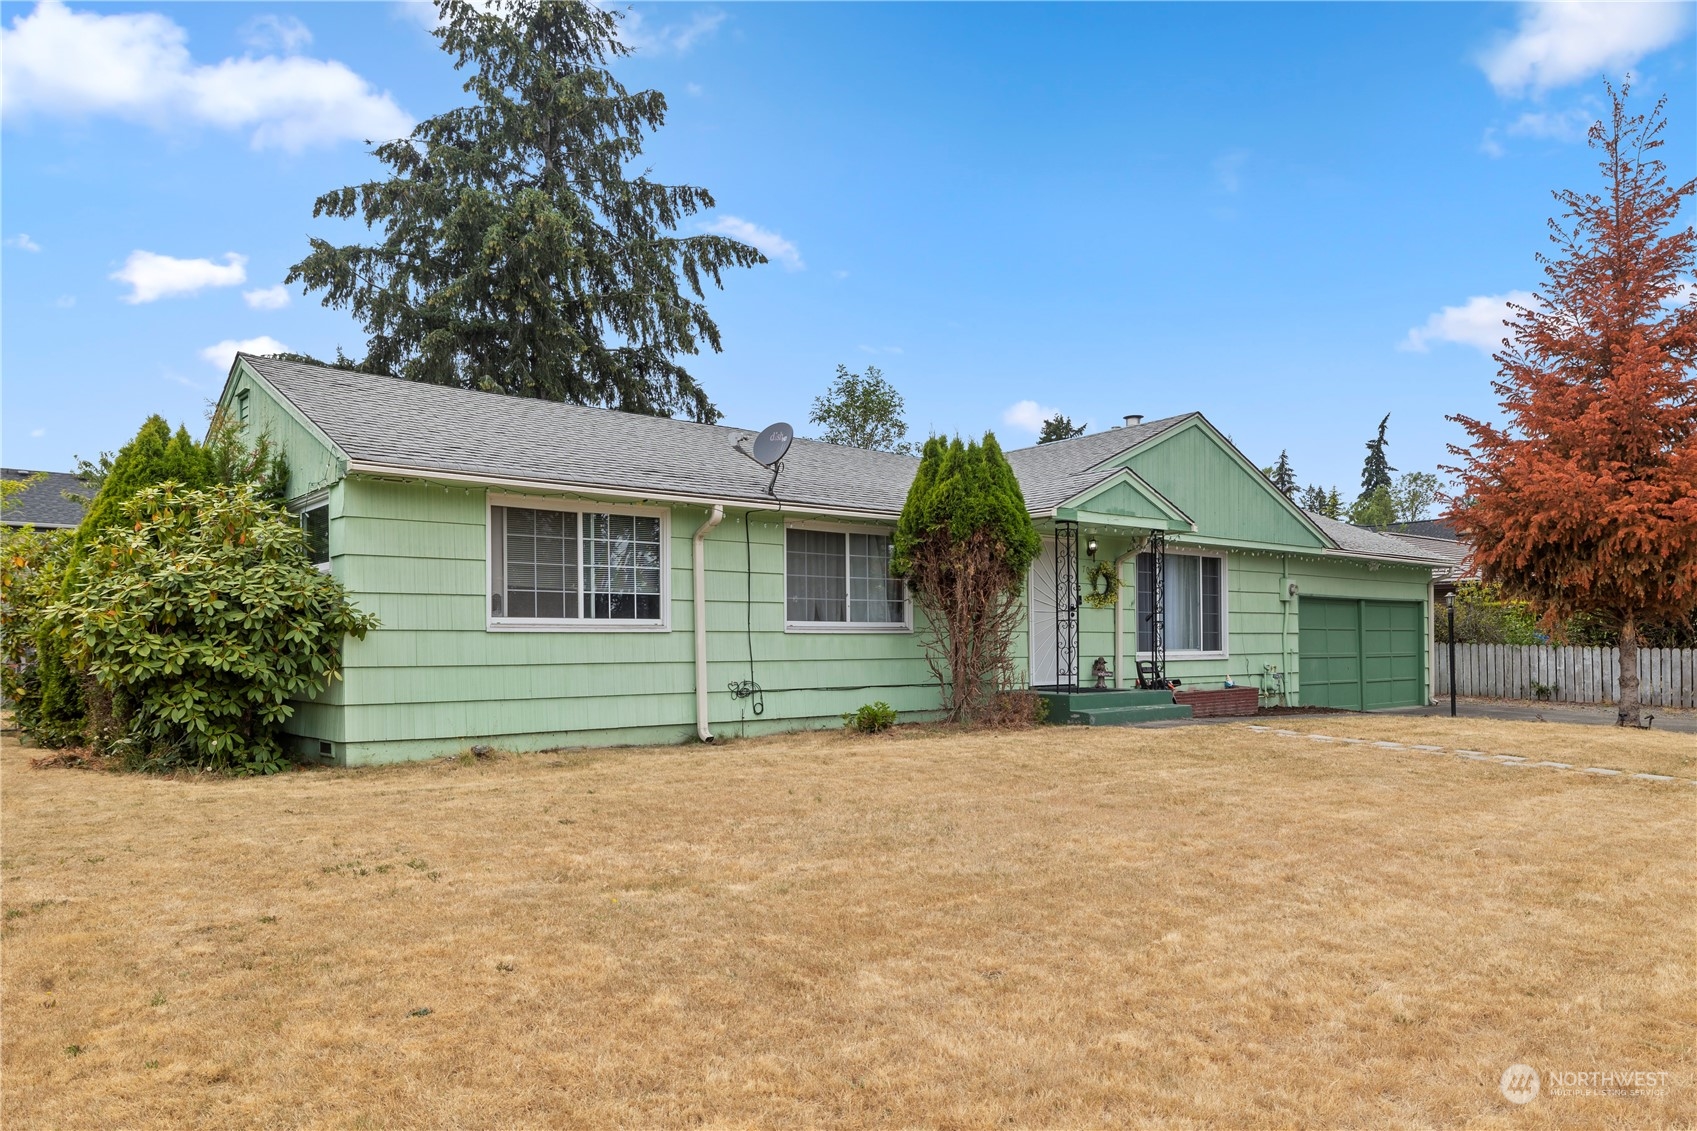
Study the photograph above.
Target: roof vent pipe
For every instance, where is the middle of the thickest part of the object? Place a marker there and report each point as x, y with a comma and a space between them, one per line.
1133, 419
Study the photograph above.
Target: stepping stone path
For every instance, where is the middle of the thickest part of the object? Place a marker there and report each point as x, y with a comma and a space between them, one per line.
1470, 755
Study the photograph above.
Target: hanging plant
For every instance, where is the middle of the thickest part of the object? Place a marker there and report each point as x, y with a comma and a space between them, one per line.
1104, 581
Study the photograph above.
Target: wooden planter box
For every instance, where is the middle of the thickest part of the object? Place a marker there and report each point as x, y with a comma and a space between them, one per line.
1220, 701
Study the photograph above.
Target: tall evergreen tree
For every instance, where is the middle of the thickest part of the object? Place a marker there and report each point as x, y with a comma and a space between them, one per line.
1282, 475
518, 253
1376, 471
1584, 502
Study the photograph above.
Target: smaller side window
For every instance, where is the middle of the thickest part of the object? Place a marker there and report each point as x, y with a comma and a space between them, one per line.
315, 524
241, 406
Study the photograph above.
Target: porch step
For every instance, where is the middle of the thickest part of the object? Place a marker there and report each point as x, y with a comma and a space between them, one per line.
1125, 716
1112, 708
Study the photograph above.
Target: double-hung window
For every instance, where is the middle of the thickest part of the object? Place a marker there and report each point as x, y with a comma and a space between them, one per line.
1193, 605
552, 567
840, 579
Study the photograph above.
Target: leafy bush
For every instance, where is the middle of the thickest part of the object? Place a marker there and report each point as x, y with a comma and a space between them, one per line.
57, 703
32, 564
873, 718
202, 617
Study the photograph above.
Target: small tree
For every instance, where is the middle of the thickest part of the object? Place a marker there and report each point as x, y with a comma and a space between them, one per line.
203, 616
964, 543
1377, 509
1059, 427
1376, 470
1282, 475
1413, 495
1586, 500
862, 411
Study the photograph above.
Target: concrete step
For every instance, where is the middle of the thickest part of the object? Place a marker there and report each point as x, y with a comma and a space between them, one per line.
1125, 716
1063, 703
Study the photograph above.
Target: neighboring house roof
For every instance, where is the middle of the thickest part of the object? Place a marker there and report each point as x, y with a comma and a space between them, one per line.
387, 424
1362, 542
1050, 474
1454, 554
44, 503
1422, 528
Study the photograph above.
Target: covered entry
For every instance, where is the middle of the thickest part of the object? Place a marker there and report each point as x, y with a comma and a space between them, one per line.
1361, 655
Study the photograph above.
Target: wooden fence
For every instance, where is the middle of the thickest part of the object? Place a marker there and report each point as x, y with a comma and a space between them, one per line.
1667, 677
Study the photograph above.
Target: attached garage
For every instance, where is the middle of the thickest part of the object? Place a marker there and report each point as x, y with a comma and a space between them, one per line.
1360, 655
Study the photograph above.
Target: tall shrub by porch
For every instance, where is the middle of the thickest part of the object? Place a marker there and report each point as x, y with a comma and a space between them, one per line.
964, 544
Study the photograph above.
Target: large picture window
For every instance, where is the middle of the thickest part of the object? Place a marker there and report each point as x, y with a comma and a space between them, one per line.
566, 567
841, 579
1194, 604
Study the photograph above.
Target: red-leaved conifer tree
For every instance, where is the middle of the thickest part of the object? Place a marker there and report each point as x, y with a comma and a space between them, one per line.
1586, 499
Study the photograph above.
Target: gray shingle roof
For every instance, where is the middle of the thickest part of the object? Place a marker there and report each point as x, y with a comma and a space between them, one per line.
1359, 540
44, 504
404, 424
388, 422
1050, 474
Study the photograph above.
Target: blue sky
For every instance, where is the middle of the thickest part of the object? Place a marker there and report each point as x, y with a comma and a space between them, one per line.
1295, 218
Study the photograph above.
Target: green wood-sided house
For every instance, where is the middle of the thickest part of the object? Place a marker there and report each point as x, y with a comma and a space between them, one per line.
549, 575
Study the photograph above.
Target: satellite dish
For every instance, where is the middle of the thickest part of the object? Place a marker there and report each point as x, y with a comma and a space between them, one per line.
772, 444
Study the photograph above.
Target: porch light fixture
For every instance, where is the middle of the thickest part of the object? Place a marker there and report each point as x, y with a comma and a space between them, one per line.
1090, 547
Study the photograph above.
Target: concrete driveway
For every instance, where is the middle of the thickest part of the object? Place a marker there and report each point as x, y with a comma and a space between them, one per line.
1666, 718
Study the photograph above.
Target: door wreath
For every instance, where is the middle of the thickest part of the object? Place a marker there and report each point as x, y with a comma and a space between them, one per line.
1104, 591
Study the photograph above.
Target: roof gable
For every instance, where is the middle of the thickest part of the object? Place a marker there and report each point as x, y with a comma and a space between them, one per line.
1124, 496
1227, 497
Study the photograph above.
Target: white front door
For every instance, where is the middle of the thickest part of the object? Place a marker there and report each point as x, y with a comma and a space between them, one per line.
1040, 600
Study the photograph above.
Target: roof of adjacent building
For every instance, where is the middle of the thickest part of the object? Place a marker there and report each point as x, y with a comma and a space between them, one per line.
44, 502
389, 423
1422, 528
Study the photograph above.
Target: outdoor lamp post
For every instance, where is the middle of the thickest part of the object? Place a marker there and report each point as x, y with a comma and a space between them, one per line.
1449, 602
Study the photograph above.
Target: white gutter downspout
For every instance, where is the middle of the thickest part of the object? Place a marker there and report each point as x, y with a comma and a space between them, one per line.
1119, 619
699, 607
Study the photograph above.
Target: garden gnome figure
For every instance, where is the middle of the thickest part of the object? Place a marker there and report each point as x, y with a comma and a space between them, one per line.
1100, 671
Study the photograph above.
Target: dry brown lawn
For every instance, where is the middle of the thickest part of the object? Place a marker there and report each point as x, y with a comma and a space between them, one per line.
1190, 927
1613, 748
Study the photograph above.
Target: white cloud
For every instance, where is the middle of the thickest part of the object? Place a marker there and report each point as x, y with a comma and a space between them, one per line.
267, 298
276, 33
136, 66
1027, 415
879, 349
1561, 43
38, 433
22, 242
1228, 169
694, 89
770, 243
664, 39
1558, 125
65, 302
1478, 322
153, 276
223, 355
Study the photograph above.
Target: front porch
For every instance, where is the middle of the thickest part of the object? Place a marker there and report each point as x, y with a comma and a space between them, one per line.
1090, 707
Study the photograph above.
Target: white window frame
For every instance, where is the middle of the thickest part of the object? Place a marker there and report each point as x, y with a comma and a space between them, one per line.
580, 507
1225, 649
315, 501
831, 626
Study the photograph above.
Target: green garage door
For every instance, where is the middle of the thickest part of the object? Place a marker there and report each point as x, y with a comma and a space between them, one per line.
1361, 655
